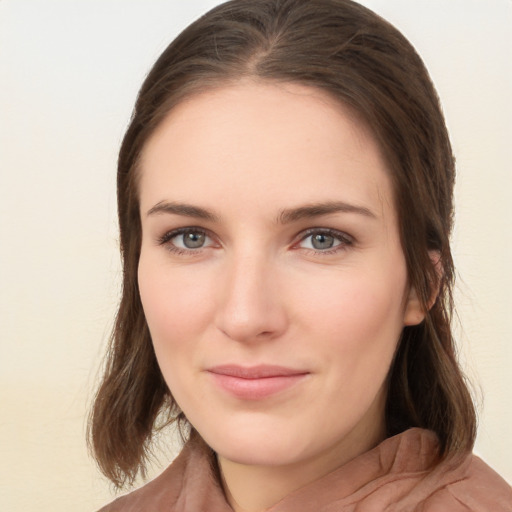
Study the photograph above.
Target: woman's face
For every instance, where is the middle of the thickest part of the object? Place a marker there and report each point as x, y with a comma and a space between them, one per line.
271, 272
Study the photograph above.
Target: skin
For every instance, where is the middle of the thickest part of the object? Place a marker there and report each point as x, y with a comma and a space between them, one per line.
261, 290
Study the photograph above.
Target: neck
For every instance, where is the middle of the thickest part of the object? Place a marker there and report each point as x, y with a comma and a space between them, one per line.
251, 488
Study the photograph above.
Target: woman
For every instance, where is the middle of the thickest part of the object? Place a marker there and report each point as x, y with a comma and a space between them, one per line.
285, 205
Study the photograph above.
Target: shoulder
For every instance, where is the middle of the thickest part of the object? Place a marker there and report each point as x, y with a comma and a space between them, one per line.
465, 485
412, 479
158, 493
189, 483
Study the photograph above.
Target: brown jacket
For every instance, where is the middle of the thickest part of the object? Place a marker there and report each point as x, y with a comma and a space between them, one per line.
399, 475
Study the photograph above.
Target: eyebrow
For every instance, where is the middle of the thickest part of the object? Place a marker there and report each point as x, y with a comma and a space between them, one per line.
186, 210
319, 209
286, 216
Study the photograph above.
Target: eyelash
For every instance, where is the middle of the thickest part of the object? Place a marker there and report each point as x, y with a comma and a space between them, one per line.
165, 240
344, 240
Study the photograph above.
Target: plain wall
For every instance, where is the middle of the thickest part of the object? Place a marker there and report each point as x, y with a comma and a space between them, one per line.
69, 73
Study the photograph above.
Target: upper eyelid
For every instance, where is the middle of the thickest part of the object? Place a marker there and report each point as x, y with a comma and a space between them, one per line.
185, 229
170, 234
302, 235
330, 231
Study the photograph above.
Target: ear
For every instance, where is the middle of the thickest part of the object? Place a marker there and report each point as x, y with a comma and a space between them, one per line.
414, 312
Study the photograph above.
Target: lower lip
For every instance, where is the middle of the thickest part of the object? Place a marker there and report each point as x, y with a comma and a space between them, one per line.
256, 389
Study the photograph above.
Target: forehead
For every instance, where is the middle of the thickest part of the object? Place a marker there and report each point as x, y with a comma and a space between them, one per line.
266, 144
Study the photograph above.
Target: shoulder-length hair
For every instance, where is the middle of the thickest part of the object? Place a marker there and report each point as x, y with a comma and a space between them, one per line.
362, 61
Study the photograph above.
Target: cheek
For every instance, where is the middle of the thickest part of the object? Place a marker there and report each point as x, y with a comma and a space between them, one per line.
357, 323
358, 329
177, 310
175, 304
353, 303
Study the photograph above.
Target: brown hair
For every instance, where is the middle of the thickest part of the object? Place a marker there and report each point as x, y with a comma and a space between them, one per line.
361, 60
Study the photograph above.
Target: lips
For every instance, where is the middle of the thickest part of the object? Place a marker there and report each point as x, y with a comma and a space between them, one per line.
256, 382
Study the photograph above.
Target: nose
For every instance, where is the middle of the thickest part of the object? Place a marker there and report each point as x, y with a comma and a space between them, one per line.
250, 307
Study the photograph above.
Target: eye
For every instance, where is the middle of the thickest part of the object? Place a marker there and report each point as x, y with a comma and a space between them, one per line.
324, 240
190, 240
186, 239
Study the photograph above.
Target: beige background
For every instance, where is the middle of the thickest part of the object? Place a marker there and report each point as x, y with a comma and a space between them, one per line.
69, 73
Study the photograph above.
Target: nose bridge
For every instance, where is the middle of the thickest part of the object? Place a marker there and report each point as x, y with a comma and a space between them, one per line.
249, 306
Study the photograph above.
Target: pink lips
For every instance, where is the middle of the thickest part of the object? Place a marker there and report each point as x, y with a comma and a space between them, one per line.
256, 382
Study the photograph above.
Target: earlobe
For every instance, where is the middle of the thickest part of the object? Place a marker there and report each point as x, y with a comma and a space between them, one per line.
414, 312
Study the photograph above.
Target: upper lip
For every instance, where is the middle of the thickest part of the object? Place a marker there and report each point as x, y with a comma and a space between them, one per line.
255, 372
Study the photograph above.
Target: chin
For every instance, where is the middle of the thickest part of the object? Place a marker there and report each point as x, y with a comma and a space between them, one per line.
258, 454
255, 446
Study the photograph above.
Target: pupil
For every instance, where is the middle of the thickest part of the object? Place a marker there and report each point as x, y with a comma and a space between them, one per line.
321, 241
193, 240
